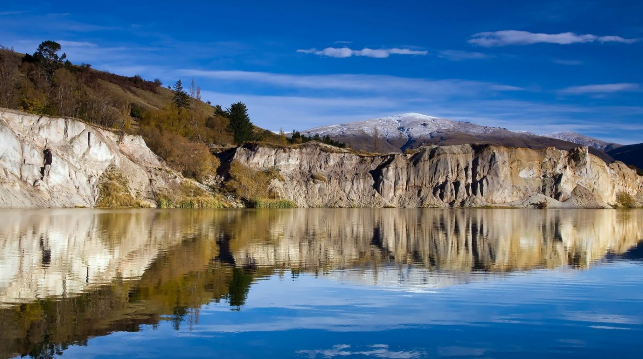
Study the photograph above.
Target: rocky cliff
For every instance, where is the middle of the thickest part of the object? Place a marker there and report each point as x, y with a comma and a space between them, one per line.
58, 162
315, 175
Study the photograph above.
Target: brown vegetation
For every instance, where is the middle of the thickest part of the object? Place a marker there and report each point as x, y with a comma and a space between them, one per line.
249, 184
114, 191
625, 200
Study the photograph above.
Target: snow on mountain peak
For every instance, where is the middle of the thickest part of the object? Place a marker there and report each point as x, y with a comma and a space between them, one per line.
406, 125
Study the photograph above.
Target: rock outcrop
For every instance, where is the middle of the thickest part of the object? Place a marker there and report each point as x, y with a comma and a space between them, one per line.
315, 175
59, 162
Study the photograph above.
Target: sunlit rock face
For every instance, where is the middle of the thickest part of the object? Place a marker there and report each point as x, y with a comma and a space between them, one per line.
59, 162
60, 253
464, 175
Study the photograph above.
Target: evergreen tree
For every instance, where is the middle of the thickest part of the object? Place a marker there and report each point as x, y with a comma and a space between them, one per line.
240, 123
181, 98
46, 56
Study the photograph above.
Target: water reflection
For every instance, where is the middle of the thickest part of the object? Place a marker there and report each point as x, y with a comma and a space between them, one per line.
69, 275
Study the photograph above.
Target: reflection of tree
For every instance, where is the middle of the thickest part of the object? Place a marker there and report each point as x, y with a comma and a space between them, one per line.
239, 287
45, 349
178, 314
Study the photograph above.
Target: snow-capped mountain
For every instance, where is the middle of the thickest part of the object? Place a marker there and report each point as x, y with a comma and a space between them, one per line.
410, 130
582, 140
408, 126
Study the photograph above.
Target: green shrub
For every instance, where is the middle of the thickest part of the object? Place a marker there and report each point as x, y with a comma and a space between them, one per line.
272, 203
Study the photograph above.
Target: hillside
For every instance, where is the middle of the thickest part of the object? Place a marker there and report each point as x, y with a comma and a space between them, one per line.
630, 154
412, 130
174, 122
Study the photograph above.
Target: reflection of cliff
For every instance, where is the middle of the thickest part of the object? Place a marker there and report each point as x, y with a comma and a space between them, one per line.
169, 263
459, 241
60, 253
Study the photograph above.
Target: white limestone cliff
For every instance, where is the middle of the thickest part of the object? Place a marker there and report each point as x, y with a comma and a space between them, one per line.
59, 162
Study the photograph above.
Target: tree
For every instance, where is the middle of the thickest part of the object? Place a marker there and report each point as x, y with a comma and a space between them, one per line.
48, 52
376, 139
282, 137
192, 89
219, 111
46, 56
181, 98
66, 93
9, 77
240, 123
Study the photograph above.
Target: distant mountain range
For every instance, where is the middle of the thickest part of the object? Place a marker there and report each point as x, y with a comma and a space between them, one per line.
411, 130
584, 140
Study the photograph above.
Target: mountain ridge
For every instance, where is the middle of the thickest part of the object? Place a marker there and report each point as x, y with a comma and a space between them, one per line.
398, 133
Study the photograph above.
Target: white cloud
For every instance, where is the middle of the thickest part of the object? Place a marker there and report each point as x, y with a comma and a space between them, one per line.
456, 55
516, 37
344, 52
601, 89
617, 39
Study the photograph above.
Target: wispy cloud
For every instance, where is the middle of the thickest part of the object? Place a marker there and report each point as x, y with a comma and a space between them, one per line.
67, 43
601, 88
516, 37
8, 13
457, 55
357, 82
344, 52
568, 62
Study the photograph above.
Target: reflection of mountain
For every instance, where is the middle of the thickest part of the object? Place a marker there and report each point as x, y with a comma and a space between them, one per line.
171, 262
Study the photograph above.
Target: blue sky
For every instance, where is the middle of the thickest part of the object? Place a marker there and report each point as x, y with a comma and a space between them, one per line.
539, 66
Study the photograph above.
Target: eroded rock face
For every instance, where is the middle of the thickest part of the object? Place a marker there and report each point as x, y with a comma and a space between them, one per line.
465, 175
57, 162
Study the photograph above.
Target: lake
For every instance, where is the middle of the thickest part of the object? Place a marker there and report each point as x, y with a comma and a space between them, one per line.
321, 283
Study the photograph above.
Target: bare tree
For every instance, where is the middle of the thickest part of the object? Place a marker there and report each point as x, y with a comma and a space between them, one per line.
376, 139
192, 89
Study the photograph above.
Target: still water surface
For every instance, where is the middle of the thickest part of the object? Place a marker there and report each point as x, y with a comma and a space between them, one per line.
321, 283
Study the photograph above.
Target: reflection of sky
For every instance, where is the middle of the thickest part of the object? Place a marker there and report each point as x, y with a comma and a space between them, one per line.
557, 313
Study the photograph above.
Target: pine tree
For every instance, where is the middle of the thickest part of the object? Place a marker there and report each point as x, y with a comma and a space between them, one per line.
181, 98
240, 123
